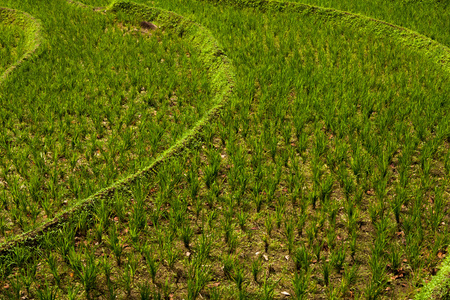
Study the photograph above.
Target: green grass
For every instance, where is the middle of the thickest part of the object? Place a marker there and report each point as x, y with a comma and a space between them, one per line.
12, 45
325, 176
21, 39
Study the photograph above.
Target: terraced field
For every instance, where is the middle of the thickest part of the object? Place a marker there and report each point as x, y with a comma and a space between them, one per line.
224, 149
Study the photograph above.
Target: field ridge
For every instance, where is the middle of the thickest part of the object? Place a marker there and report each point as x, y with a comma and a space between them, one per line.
33, 30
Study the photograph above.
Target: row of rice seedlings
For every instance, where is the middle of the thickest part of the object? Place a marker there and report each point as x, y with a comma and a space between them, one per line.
12, 44
76, 276
77, 120
163, 231
179, 231
409, 14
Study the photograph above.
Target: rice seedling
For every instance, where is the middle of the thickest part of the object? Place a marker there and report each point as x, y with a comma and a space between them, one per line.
46, 293
256, 269
300, 282
52, 263
301, 259
115, 244
107, 271
170, 255
152, 264
212, 168
28, 277
187, 233
72, 293
86, 271
338, 258
228, 265
267, 289
239, 277
197, 280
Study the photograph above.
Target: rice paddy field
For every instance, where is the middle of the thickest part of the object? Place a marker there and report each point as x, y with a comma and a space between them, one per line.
224, 149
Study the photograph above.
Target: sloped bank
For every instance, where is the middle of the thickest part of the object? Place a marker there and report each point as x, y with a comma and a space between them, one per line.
433, 50
33, 35
221, 75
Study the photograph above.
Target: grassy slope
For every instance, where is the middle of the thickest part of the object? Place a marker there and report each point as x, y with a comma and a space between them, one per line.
12, 45
21, 39
428, 17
